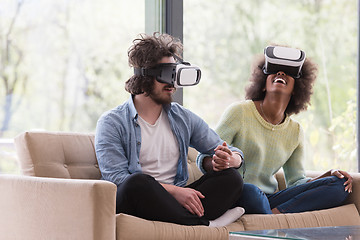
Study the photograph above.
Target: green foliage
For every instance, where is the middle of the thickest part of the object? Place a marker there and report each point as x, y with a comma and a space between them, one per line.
73, 56
75, 60
344, 134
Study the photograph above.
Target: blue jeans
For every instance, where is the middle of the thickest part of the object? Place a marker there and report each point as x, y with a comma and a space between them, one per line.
319, 194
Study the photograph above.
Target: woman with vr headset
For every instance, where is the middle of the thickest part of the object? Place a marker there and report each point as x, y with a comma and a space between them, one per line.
270, 139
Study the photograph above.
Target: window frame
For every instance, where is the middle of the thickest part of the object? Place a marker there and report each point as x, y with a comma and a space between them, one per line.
358, 91
165, 16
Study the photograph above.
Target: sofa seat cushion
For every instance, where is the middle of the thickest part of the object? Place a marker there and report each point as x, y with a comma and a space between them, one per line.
130, 227
338, 216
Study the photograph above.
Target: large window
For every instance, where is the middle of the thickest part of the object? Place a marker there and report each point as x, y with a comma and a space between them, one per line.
223, 37
63, 63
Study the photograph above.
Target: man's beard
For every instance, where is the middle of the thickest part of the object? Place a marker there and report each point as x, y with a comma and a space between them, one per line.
157, 98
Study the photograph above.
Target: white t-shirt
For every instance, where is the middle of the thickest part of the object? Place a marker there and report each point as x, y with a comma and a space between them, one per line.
159, 152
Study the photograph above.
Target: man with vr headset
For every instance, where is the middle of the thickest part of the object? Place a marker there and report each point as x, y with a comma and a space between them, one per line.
280, 85
142, 145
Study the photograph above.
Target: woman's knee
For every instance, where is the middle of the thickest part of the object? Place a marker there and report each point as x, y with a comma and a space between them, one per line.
339, 181
333, 188
338, 187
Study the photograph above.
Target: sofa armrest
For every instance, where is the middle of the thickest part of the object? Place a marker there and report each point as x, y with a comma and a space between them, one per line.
52, 208
354, 197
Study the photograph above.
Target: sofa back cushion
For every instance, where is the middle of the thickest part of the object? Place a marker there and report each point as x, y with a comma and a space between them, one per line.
194, 171
68, 155
57, 154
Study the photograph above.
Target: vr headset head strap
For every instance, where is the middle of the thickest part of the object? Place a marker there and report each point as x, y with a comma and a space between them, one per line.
147, 71
179, 59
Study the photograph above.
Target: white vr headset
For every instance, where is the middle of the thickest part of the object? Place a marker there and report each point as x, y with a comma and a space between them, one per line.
177, 74
288, 60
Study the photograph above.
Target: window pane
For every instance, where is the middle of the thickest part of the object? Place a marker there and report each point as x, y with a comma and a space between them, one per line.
63, 63
223, 37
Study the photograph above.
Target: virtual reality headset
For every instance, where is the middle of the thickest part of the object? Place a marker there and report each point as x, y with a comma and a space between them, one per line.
288, 60
177, 74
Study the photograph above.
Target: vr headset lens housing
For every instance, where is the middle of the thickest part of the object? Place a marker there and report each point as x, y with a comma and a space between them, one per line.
288, 60
187, 75
177, 74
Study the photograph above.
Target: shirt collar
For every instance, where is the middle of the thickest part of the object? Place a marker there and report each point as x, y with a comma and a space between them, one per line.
167, 107
133, 111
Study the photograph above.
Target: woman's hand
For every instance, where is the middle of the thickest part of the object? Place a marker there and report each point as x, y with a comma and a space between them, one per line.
339, 174
189, 198
224, 158
343, 174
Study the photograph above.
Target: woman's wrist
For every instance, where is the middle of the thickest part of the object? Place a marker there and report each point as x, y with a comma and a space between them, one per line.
239, 160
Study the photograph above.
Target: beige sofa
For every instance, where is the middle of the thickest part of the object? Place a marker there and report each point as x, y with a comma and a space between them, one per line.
67, 201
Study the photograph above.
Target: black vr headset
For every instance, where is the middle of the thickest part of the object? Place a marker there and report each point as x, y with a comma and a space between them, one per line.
177, 74
288, 60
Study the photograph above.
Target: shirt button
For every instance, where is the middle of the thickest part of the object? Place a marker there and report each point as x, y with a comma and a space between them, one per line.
138, 143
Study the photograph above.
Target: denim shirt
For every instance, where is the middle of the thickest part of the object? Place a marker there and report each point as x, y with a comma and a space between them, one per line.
118, 140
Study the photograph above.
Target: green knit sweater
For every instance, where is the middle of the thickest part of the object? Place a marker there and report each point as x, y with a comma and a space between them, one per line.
266, 147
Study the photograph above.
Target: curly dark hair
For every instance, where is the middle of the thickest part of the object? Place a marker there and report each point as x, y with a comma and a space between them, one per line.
146, 52
303, 87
